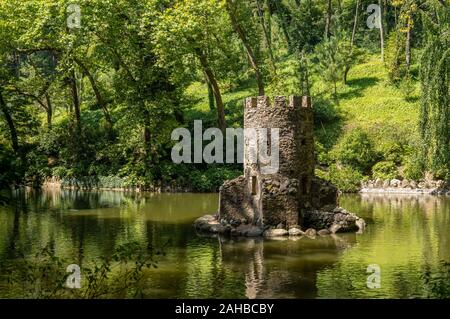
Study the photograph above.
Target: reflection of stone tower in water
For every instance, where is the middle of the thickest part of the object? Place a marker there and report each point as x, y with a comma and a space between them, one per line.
280, 197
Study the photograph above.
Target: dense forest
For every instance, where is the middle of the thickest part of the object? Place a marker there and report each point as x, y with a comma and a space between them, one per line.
90, 90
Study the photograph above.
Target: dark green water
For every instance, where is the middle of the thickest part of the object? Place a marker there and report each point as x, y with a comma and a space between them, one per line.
406, 236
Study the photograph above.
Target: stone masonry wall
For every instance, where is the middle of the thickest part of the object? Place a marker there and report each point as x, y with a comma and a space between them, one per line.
279, 197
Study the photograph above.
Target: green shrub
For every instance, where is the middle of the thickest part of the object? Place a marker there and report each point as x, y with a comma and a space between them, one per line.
325, 112
407, 88
347, 179
437, 286
9, 167
384, 170
355, 149
211, 179
395, 57
391, 152
43, 275
322, 174
320, 153
412, 167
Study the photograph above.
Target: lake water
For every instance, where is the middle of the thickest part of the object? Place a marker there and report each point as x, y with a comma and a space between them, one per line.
406, 236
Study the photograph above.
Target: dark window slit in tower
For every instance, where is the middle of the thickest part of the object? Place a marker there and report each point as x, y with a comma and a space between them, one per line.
253, 185
304, 186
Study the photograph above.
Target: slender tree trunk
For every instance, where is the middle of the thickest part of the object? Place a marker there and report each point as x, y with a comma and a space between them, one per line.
267, 37
355, 23
386, 25
340, 6
269, 22
276, 7
210, 95
10, 122
328, 19
100, 100
49, 110
75, 100
381, 31
304, 75
237, 27
148, 138
216, 90
352, 41
408, 43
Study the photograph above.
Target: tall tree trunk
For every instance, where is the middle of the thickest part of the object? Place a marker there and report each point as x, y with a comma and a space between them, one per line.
212, 106
408, 43
267, 37
352, 41
100, 100
49, 110
355, 23
381, 31
75, 100
278, 8
269, 21
216, 90
10, 122
304, 74
237, 27
328, 19
147, 137
386, 24
340, 6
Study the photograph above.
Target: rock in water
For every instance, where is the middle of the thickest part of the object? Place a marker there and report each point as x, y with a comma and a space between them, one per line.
323, 232
311, 232
295, 232
249, 231
275, 232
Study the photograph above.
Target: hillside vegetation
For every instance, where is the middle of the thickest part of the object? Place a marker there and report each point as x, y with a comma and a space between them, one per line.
91, 92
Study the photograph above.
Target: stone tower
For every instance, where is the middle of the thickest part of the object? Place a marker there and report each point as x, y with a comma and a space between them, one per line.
274, 198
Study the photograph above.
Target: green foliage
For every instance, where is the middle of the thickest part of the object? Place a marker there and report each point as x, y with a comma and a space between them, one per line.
407, 87
392, 151
346, 178
434, 112
384, 170
294, 17
9, 167
320, 154
355, 149
334, 56
330, 62
212, 178
395, 57
96, 105
412, 167
325, 113
44, 275
437, 286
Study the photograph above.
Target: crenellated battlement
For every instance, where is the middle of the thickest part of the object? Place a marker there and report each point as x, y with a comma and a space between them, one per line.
279, 102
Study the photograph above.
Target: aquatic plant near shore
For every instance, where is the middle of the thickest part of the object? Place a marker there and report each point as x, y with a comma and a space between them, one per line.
438, 285
44, 275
